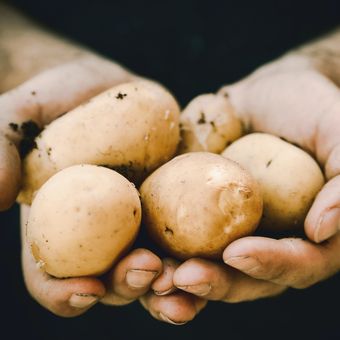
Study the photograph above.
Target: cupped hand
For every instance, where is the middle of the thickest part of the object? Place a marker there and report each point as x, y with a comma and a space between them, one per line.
36, 103
290, 99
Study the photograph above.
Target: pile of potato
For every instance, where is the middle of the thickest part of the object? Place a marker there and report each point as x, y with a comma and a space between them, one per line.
198, 192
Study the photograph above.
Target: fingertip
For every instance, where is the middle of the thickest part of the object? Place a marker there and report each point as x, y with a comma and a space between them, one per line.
189, 272
67, 297
323, 218
326, 227
134, 274
240, 247
144, 259
177, 309
163, 284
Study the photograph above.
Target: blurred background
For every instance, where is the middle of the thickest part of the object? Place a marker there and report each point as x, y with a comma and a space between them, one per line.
192, 47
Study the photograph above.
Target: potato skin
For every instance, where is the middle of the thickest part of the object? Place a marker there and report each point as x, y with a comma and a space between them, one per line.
132, 128
289, 178
81, 220
198, 203
208, 123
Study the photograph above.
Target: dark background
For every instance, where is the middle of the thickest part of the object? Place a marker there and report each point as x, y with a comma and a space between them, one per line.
192, 47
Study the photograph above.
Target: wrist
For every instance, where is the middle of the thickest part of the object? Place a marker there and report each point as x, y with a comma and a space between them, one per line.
26, 49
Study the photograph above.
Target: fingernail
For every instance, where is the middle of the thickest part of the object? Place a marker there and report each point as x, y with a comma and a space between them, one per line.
166, 319
165, 292
82, 300
136, 278
200, 290
243, 263
328, 225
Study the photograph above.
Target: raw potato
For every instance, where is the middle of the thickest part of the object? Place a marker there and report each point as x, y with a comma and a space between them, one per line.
208, 123
289, 178
198, 203
132, 128
81, 221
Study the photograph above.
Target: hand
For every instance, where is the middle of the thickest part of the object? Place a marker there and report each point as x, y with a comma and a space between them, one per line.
130, 279
42, 99
290, 99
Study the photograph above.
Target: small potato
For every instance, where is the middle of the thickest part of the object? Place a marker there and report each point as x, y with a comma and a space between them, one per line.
132, 128
208, 123
289, 178
198, 203
81, 220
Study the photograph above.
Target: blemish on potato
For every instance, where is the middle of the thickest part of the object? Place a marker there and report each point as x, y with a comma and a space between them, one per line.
213, 126
168, 231
30, 130
35, 251
228, 142
202, 119
14, 127
121, 95
268, 163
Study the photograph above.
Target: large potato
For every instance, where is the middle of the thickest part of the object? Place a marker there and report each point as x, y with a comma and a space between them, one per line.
289, 178
208, 123
81, 220
132, 128
197, 203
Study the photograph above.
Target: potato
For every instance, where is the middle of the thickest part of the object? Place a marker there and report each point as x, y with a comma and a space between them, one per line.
208, 123
81, 220
198, 203
132, 128
289, 178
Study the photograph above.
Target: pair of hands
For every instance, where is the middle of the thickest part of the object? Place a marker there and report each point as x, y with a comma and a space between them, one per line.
287, 98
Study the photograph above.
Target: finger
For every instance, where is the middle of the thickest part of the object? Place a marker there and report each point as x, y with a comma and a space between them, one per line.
40, 100
215, 281
132, 276
63, 297
323, 219
59, 89
163, 284
291, 262
9, 173
177, 308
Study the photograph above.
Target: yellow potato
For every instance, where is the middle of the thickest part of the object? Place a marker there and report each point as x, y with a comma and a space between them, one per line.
132, 128
198, 203
208, 123
81, 220
289, 178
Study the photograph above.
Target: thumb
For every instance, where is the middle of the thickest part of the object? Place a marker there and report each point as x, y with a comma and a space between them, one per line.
302, 106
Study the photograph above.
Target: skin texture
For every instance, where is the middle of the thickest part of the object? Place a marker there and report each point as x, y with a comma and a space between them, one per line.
131, 128
289, 178
82, 220
198, 203
314, 62
208, 123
